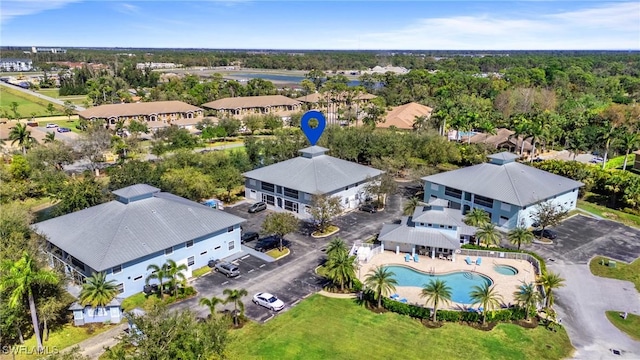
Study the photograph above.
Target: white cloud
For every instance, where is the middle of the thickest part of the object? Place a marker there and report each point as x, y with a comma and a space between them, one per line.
127, 8
613, 26
11, 8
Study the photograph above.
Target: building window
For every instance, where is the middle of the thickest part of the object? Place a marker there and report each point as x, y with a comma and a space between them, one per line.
453, 192
230, 229
267, 187
191, 260
168, 251
120, 288
137, 278
503, 220
116, 269
505, 207
435, 187
291, 206
232, 245
269, 199
216, 248
203, 253
449, 227
483, 201
429, 225
189, 243
291, 193
252, 182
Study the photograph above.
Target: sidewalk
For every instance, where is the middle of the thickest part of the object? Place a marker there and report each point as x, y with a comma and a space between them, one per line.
94, 346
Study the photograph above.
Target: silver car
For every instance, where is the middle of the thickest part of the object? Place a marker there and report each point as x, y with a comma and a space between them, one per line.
227, 268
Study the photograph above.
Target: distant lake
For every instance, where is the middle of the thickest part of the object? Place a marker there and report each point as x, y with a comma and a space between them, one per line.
289, 79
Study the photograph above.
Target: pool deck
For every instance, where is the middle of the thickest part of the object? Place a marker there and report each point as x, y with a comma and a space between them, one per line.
506, 285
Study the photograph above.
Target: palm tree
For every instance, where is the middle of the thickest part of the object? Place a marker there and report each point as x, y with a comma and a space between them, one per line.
211, 303
341, 268
629, 141
50, 137
485, 296
18, 279
488, 234
336, 245
476, 217
97, 291
527, 296
175, 274
519, 236
157, 273
410, 206
19, 134
436, 292
549, 282
235, 296
381, 281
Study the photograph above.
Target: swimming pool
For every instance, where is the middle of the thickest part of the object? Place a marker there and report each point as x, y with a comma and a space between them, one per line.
505, 270
460, 282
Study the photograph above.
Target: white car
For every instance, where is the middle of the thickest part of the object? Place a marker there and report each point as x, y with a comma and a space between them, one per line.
50, 126
269, 301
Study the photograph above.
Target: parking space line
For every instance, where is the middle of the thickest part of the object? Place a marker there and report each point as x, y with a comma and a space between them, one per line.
244, 257
263, 265
250, 271
225, 283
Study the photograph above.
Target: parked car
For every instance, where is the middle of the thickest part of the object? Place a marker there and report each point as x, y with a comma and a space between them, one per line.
596, 160
270, 242
259, 206
268, 300
226, 268
150, 289
50, 126
368, 208
63, 130
546, 233
249, 236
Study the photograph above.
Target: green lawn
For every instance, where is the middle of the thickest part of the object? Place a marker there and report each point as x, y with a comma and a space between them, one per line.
73, 124
67, 336
26, 104
630, 326
326, 328
622, 271
611, 214
55, 93
618, 161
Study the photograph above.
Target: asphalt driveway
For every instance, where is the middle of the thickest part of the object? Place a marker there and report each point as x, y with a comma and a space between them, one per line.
582, 302
582, 237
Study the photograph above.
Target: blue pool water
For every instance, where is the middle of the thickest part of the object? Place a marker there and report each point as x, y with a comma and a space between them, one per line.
460, 282
505, 270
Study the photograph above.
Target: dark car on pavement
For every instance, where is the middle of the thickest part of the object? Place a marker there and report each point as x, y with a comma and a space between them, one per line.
270, 242
249, 236
546, 233
63, 130
368, 208
259, 206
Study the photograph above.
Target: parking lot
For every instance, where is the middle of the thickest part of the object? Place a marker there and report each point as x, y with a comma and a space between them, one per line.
291, 278
582, 237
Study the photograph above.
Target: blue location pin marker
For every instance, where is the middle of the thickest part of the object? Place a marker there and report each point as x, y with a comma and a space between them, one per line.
313, 135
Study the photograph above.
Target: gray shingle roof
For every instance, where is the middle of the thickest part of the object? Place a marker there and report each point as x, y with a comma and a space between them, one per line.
512, 182
320, 174
442, 216
114, 233
406, 233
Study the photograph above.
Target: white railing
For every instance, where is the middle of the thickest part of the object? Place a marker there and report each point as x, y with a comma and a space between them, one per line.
503, 255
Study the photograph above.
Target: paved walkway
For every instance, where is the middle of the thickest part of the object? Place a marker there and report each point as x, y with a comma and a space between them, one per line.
582, 303
94, 346
336, 295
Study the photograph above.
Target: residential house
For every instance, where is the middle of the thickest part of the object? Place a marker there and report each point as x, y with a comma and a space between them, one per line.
331, 103
9, 64
157, 114
239, 107
502, 139
291, 184
404, 116
507, 190
434, 229
142, 226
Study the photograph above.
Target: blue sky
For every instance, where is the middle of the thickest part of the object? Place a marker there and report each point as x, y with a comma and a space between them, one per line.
341, 25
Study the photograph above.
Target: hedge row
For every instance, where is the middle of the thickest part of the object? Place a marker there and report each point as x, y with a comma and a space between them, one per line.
419, 312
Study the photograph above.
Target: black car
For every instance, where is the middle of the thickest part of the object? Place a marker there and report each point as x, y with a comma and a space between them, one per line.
546, 233
270, 242
368, 208
249, 236
259, 206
